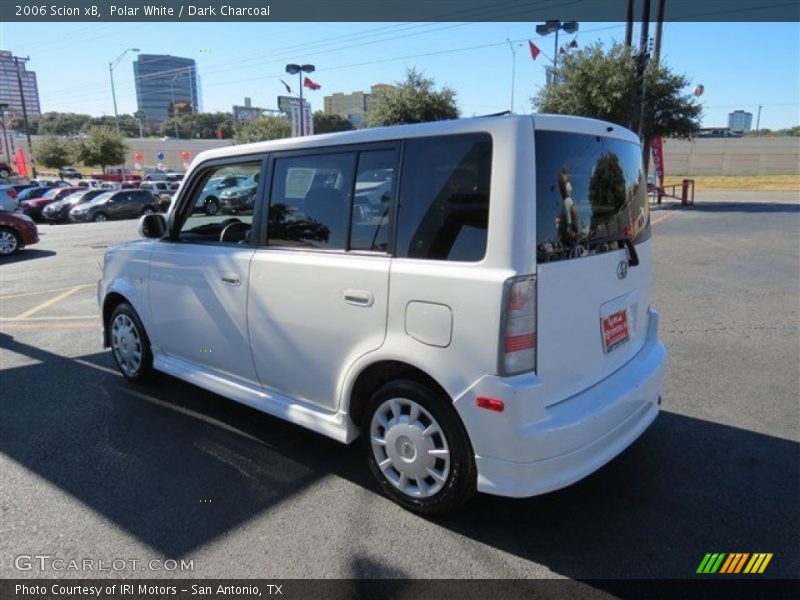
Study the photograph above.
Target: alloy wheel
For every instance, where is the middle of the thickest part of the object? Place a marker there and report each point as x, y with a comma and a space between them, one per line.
8, 242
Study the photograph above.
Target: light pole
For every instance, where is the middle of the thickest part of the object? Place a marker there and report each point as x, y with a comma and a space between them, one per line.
3, 108
111, 66
554, 26
513, 69
174, 115
293, 69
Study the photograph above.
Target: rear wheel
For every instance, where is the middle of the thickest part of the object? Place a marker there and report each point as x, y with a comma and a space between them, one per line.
417, 448
130, 344
4, 173
211, 206
149, 210
9, 241
99, 217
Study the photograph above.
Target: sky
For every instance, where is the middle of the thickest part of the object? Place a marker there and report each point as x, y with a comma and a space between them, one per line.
740, 65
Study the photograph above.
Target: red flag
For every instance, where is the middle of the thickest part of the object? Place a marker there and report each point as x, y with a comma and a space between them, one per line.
310, 84
19, 159
573, 43
534, 50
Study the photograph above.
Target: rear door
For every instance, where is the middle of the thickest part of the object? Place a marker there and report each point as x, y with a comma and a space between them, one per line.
319, 283
592, 299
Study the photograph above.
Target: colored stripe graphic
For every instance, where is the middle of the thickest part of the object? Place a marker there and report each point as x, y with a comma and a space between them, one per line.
758, 563
734, 562
711, 562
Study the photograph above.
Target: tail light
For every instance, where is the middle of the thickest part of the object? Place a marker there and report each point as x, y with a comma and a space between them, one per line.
517, 351
12, 194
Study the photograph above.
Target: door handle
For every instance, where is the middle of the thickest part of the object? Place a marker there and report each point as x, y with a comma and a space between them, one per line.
359, 297
231, 279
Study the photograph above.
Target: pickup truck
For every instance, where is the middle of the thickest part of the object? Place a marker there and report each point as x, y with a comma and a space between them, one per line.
117, 175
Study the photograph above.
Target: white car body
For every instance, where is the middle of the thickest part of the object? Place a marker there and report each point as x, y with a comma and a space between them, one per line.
293, 330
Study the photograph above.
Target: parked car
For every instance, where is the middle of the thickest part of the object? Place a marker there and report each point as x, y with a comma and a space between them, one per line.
8, 198
16, 231
472, 336
58, 212
153, 174
5, 170
69, 173
173, 175
121, 204
208, 201
33, 208
118, 175
33, 192
173, 186
239, 199
91, 183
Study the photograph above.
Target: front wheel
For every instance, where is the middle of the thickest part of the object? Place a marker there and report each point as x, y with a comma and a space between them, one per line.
211, 206
417, 448
130, 345
148, 210
100, 217
9, 241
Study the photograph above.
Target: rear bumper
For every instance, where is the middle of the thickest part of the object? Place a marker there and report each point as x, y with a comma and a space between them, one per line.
531, 449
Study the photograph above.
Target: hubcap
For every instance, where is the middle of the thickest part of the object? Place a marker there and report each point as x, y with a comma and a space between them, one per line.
126, 344
100, 218
8, 243
409, 447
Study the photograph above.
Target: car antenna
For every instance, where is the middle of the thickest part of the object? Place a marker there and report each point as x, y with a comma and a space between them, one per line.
497, 114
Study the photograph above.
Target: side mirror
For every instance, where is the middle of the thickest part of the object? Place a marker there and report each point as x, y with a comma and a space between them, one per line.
153, 226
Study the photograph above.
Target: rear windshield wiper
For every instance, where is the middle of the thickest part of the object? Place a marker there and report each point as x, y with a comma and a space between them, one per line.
633, 256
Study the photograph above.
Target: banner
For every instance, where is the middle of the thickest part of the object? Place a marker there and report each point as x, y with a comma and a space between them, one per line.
19, 160
307, 118
658, 159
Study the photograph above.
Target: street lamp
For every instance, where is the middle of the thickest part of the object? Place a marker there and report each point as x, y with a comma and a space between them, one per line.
293, 69
554, 26
111, 66
174, 114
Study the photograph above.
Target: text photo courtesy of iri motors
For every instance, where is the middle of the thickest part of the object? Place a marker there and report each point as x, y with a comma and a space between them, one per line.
427, 300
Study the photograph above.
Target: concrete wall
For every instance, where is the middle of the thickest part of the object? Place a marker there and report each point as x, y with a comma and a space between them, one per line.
733, 156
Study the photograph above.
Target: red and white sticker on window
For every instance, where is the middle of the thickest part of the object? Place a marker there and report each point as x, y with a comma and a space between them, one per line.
615, 330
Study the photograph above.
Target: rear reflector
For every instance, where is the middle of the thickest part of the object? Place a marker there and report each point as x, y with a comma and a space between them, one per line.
517, 351
490, 404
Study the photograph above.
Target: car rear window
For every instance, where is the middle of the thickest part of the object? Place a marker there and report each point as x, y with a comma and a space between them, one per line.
590, 193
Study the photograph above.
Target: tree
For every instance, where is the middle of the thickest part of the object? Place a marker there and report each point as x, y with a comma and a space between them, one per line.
605, 85
53, 152
199, 125
263, 128
412, 101
102, 147
58, 123
325, 123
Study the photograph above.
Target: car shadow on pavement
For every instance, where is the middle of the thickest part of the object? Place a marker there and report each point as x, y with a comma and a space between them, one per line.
26, 254
177, 467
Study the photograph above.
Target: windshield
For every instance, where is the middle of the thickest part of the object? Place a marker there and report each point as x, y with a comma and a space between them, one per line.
52, 193
101, 198
590, 194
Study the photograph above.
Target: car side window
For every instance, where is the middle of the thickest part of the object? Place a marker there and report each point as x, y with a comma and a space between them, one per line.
372, 203
310, 200
444, 198
221, 213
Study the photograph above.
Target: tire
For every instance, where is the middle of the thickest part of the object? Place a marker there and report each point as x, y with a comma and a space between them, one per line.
149, 210
130, 345
10, 242
4, 173
100, 217
427, 474
211, 206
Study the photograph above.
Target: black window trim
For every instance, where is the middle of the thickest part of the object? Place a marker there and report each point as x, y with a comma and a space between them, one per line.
261, 240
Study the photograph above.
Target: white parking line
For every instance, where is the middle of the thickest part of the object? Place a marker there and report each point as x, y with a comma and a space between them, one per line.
51, 301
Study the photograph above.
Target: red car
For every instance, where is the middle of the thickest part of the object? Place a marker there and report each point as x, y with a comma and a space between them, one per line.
117, 175
16, 231
33, 208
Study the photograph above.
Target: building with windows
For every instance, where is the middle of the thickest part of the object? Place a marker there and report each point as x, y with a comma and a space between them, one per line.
9, 86
740, 120
165, 86
353, 107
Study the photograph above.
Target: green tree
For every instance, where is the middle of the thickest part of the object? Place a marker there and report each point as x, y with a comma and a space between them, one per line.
54, 152
263, 128
60, 123
324, 123
604, 84
199, 125
102, 147
412, 101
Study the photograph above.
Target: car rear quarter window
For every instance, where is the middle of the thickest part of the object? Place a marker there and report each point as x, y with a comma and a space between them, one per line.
444, 198
590, 193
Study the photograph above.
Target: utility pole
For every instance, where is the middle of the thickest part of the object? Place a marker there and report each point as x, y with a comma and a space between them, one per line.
513, 70
758, 119
3, 108
629, 24
25, 111
659, 29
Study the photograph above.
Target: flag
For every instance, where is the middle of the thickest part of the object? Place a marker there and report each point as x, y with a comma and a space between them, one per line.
534, 50
286, 85
561, 50
310, 84
574, 43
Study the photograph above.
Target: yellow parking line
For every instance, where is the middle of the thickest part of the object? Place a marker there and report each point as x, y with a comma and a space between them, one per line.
46, 303
24, 294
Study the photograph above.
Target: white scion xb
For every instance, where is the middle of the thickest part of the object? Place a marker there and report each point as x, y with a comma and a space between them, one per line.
484, 323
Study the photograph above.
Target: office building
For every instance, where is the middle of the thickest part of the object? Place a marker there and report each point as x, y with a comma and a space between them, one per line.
9, 86
740, 120
353, 107
165, 86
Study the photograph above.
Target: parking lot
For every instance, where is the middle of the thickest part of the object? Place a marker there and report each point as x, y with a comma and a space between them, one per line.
94, 468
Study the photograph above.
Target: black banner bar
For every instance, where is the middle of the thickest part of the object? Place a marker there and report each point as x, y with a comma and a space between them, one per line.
12, 11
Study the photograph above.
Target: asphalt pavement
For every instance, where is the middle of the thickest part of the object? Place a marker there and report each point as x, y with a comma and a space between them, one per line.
93, 468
